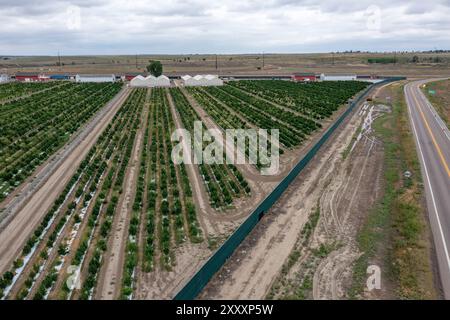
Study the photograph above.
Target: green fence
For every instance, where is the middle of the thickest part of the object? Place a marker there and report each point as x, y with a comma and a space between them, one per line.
217, 260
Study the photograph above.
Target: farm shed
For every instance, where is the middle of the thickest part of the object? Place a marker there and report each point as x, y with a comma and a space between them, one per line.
201, 80
4, 78
303, 77
27, 77
337, 77
95, 78
150, 81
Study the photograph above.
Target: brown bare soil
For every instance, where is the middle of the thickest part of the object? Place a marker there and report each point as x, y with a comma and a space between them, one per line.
352, 62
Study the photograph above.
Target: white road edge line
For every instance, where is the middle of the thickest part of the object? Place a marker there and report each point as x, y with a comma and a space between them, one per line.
429, 184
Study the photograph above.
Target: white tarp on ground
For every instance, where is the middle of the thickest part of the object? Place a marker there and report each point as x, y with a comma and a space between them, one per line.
201, 80
150, 81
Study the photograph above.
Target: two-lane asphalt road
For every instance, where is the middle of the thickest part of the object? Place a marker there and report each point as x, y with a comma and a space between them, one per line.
433, 146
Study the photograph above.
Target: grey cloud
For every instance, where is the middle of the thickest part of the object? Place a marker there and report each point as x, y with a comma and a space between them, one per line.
171, 26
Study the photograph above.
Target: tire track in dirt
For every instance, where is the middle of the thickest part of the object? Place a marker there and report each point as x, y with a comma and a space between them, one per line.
333, 274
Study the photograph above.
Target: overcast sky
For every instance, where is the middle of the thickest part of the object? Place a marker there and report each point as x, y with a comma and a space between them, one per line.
41, 27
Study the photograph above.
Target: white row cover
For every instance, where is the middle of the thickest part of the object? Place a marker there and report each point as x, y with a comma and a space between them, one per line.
150, 81
337, 77
201, 80
95, 78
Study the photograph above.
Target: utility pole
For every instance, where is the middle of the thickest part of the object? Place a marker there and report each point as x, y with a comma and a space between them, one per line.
136, 62
216, 62
395, 57
332, 59
263, 60
59, 60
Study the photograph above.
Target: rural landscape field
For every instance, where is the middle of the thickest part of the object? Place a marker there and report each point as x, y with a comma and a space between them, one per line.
273, 175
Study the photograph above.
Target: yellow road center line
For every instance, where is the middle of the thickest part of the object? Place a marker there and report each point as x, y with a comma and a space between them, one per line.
441, 155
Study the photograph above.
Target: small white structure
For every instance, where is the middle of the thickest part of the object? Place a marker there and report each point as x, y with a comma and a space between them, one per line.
138, 82
162, 81
187, 81
95, 78
201, 80
150, 81
4, 78
338, 77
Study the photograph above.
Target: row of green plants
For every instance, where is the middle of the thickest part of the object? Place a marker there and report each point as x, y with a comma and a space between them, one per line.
113, 191
318, 100
79, 193
226, 119
222, 181
289, 137
303, 125
17, 90
170, 210
36, 129
132, 246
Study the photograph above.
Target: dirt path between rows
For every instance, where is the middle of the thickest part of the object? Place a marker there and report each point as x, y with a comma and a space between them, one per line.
41, 193
110, 279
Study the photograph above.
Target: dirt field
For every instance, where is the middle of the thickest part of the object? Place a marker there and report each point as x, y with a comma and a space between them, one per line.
239, 64
279, 256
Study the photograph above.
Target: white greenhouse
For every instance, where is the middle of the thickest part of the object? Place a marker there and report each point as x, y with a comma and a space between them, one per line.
95, 78
201, 80
338, 77
150, 81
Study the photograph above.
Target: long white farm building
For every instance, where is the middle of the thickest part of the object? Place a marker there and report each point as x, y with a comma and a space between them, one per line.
150, 81
95, 78
338, 77
201, 80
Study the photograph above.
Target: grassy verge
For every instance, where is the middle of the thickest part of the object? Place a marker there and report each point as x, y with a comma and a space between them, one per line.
440, 98
397, 225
